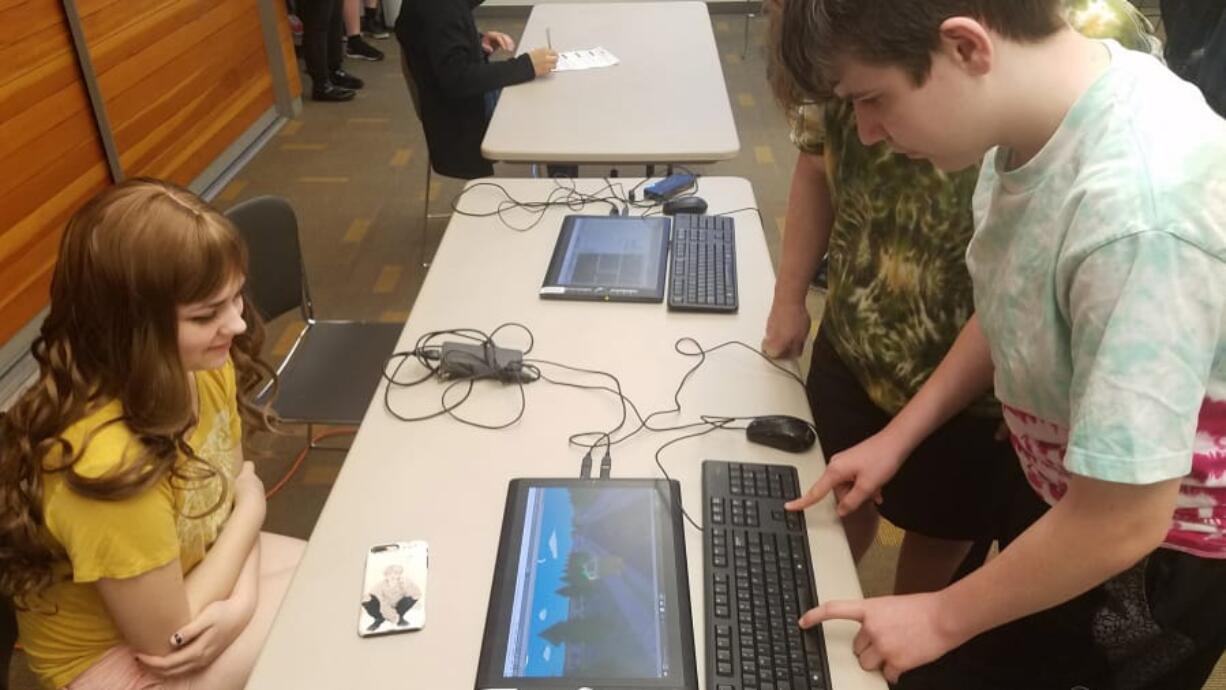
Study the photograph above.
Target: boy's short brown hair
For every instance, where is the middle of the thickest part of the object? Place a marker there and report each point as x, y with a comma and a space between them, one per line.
811, 33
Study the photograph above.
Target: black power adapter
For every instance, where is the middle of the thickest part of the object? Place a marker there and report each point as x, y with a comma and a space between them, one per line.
482, 361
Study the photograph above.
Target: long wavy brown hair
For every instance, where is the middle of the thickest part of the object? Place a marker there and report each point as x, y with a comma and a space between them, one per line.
128, 259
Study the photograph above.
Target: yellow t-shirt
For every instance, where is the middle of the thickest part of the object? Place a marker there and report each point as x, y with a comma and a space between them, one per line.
68, 628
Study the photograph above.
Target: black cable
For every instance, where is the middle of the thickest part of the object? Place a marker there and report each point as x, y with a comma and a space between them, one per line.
426, 353
564, 195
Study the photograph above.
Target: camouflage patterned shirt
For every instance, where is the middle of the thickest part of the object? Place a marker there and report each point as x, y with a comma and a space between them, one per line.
899, 289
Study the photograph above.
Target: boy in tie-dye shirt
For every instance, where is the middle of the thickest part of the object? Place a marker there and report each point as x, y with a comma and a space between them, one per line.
1099, 273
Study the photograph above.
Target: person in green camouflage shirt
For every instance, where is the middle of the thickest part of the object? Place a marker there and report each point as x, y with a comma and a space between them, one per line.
896, 231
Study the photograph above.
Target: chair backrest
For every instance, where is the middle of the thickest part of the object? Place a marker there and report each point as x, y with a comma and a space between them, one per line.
276, 280
411, 82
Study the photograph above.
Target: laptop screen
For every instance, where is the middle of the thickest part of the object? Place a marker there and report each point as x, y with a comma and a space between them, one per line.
591, 589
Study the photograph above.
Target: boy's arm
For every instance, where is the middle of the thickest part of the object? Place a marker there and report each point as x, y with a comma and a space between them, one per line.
1096, 531
858, 473
963, 376
806, 236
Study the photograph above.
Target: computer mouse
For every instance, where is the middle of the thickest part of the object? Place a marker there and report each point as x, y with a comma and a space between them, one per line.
783, 432
685, 204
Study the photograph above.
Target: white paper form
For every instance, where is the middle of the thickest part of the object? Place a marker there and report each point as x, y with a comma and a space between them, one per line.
592, 58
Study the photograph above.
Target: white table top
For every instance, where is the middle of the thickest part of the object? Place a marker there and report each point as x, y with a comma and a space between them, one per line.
666, 101
446, 483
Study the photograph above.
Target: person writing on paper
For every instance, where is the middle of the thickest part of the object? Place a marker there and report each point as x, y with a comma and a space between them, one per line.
454, 84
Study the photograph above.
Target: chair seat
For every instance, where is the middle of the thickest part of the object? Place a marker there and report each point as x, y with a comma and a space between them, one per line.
333, 372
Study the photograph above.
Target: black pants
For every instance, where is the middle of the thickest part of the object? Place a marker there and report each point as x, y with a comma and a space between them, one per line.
1156, 626
1189, 25
1211, 77
323, 34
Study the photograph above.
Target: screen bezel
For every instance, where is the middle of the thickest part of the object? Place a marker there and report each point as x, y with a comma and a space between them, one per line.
502, 593
553, 288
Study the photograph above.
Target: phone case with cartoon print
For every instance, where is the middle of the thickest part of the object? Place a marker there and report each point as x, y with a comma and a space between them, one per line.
394, 589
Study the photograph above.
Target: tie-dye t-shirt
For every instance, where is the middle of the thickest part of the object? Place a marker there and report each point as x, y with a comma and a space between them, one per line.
1099, 270
899, 292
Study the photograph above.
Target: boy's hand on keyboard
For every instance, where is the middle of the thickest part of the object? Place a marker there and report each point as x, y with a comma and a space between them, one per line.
896, 634
855, 475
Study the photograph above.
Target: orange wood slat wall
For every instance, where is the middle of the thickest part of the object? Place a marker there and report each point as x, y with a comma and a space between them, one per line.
181, 79
51, 156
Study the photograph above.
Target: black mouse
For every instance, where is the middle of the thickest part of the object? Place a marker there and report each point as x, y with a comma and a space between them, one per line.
685, 204
783, 432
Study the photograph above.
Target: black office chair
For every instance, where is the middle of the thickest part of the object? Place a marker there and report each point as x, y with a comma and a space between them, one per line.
426, 216
334, 367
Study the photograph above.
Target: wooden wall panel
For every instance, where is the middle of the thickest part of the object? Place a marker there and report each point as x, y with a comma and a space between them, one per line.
174, 75
50, 152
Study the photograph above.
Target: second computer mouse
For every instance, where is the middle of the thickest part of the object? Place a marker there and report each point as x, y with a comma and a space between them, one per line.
685, 204
783, 432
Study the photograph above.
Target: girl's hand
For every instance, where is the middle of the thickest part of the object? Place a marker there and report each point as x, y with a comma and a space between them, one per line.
200, 641
248, 487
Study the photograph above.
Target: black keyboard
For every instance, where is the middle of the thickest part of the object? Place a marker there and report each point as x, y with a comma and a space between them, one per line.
704, 264
758, 582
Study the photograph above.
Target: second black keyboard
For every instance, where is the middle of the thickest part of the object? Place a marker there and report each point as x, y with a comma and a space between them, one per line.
757, 581
703, 266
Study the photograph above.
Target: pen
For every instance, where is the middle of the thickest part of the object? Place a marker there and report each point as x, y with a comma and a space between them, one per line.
548, 39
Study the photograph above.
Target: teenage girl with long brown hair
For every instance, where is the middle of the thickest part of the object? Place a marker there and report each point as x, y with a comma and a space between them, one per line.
130, 538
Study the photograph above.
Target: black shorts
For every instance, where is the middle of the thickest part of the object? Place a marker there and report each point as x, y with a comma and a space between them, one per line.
1156, 626
954, 485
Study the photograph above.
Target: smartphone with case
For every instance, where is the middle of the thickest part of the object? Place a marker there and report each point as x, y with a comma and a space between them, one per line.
394, 589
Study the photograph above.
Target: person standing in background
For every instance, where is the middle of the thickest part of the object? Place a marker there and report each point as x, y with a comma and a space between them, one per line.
321, 49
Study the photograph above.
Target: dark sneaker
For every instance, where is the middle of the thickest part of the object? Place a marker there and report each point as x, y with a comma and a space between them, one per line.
358, 49
342, 78
375, 28
329, 92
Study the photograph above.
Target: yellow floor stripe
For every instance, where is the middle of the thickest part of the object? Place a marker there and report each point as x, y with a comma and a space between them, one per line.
357, 230
722, 27
369, 120
401, 158
746, 100
324, 180
764, 154
394, 316
286, 341
781, 223
303, 147
433, 193
388, 277
291, 128
321, 473
888, 534
732, 58
232, 190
